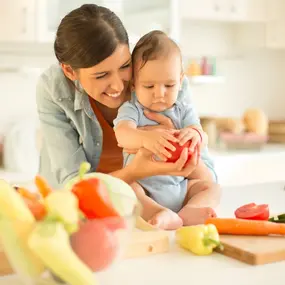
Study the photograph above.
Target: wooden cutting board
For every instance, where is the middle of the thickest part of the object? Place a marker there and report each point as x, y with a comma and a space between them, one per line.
254, 250
141, 244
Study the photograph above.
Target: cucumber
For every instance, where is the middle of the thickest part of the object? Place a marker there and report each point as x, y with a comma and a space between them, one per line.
50, 242
16, 223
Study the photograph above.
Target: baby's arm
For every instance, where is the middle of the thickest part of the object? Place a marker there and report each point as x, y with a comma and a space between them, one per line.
189, 124
125, 127
130, 137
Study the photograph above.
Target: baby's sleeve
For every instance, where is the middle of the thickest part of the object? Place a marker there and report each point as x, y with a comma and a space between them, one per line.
189, 115
127, 112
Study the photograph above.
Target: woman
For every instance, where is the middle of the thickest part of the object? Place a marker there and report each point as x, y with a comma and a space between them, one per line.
78, 100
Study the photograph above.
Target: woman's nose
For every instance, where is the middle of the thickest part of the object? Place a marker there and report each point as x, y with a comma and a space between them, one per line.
117, 83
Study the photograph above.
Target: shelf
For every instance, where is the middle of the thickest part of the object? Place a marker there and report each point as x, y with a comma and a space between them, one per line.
206, 79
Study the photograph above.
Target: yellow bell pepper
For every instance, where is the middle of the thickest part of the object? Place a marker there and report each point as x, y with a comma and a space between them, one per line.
200, 239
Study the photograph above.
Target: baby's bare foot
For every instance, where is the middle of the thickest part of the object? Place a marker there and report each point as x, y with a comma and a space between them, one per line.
195, 216
166, 220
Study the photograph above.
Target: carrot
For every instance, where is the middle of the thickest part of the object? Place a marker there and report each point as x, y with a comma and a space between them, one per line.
42, 186
37, 208
27, 194
246, 227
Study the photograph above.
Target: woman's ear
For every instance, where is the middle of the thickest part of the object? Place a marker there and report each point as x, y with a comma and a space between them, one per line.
68, 71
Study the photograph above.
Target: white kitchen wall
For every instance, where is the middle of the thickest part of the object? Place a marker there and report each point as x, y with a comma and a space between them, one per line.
17, 98
253, 78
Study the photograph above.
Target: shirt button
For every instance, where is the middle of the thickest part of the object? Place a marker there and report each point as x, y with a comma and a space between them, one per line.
97, 143
60, 99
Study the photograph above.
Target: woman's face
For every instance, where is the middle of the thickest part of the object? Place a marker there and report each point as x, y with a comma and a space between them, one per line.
108, 81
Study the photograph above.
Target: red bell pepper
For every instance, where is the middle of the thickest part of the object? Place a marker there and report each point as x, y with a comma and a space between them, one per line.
94, 200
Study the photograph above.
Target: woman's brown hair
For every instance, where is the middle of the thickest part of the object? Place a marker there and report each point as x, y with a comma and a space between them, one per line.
88, 35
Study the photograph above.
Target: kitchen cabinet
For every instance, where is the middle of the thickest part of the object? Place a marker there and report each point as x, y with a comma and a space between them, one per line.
223, 10
49, 14
37, 20
270, 34
17, 20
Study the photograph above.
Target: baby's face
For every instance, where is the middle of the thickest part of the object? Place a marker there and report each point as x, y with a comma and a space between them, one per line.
158, 82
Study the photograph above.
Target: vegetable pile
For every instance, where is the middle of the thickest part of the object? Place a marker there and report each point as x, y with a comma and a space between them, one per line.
69, 233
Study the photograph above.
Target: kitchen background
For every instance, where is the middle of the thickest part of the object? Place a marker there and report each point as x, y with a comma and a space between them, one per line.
234, 57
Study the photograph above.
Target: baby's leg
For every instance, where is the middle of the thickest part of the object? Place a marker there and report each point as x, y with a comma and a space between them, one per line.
202, 197
156, 214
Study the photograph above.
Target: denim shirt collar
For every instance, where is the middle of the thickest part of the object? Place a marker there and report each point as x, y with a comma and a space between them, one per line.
81, 101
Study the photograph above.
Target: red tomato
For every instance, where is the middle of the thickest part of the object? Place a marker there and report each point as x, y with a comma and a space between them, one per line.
94, 199
253, 212
179, 148
95, 244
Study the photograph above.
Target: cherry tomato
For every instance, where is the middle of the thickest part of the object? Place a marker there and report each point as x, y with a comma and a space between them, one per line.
253, 212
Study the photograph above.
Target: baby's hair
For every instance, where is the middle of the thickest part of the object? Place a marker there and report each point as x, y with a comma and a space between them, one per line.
153, 45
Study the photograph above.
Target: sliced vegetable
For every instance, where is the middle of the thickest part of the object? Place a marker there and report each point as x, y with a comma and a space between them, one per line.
50, 242
253, 212
42, 185
246, 227
200, 239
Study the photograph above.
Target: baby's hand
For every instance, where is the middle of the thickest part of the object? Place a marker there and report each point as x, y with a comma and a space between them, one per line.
192, 134
158, 140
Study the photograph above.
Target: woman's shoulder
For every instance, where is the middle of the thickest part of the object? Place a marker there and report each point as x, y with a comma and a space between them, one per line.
184, 92
54, 84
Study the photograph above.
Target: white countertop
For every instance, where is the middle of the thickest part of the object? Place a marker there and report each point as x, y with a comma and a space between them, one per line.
179, 266
243, 167
267, 149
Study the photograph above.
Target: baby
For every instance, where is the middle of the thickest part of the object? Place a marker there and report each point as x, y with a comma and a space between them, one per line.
168, 201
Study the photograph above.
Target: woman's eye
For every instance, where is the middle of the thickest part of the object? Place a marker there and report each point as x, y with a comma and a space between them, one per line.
148, 86
126, 66
101, 76
170, 85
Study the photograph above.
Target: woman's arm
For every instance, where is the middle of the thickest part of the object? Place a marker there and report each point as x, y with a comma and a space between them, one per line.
125, 174
60, 138
134, 171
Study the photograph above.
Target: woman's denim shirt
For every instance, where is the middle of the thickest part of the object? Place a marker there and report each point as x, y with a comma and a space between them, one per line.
70, 130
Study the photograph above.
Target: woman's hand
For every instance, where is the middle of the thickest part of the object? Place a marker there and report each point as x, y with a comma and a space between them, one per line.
163, 121
143, 165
